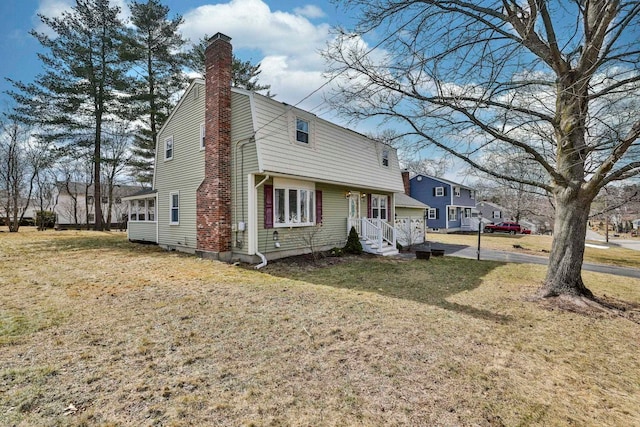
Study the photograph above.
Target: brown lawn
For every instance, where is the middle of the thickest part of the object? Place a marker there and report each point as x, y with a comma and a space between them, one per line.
97, 331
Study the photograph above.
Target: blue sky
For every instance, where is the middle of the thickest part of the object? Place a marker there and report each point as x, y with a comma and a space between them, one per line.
284, 35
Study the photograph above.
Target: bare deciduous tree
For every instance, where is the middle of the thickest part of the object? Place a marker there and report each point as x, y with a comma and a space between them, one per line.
21, 161
557, 82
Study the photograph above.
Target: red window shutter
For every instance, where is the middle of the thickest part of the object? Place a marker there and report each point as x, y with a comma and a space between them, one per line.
318, 207
268, 206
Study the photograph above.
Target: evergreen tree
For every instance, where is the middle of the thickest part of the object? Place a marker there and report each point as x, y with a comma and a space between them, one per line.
83, 82
243, 74
154, 47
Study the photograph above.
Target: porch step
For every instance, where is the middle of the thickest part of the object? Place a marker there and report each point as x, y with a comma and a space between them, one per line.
372, 248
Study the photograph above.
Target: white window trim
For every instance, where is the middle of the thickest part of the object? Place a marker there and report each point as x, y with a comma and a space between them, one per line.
432, 213
385, 157
457, 191
168, 140
308, 143
133, 204
496, 215
455, 214
171, 207
440, 190
202, 134
380, 198
291, 184
472, 194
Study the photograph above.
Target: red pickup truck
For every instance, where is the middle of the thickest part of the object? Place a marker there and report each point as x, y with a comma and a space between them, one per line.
506, 227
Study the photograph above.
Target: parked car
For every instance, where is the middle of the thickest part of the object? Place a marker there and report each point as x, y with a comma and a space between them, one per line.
506, 227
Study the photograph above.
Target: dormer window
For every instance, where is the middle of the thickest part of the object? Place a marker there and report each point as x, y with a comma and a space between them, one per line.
302, 131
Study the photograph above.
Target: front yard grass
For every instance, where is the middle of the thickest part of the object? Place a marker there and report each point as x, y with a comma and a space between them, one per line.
97, 331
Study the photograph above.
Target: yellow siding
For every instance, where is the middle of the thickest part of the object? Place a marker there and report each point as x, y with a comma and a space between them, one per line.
183, 173
334, 154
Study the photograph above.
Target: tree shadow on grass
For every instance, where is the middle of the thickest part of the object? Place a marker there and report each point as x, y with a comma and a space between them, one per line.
427, 282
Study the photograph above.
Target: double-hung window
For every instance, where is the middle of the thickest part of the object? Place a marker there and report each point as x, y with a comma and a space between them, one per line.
302, 131
439, 191
168, 148
456, 191
174, 214
432, 213
202, 136
385, 157
293, 203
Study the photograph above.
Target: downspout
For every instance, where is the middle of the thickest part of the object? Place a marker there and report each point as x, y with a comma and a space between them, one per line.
262, 257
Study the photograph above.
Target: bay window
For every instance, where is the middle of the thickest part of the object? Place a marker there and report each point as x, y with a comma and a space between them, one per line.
293, 203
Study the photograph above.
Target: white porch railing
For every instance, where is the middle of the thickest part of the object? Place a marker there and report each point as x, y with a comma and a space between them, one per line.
374, 230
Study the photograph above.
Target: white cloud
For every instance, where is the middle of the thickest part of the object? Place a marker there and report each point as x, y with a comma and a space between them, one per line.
55, 9
310, 11
287, 42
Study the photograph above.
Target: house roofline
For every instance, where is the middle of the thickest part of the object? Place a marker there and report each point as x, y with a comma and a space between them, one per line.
446, 181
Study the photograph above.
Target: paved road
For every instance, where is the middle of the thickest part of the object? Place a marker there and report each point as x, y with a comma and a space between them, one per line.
503, 256
625, 243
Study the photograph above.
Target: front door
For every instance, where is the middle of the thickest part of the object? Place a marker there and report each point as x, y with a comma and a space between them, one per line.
354, 205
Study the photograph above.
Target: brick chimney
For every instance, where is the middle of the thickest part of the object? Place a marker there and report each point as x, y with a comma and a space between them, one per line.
213, 199
406, 182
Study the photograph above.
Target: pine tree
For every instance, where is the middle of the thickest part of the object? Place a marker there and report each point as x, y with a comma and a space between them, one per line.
154, 46
83, 84
243, 74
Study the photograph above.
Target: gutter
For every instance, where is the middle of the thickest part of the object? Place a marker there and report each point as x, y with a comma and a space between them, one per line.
262, 257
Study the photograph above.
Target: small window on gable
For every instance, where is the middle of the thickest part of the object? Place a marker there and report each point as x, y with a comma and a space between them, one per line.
456, 191
202, 136
439, 191
385, 157
302, 131
168, 148
496, 214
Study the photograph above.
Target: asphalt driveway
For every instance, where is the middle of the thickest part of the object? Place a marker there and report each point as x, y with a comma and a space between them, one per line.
463, 251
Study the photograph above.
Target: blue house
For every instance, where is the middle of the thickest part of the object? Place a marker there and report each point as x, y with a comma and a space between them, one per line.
451, 205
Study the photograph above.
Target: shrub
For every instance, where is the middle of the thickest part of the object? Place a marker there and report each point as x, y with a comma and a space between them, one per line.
336, 252
45, 219
353, 245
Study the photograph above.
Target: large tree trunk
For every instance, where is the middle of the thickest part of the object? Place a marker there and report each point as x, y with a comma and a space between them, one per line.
567, 251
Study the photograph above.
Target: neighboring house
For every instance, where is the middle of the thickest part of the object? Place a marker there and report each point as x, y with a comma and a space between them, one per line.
29, 209
241, 176
75, 205
451, 205
636, 224
496, 213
